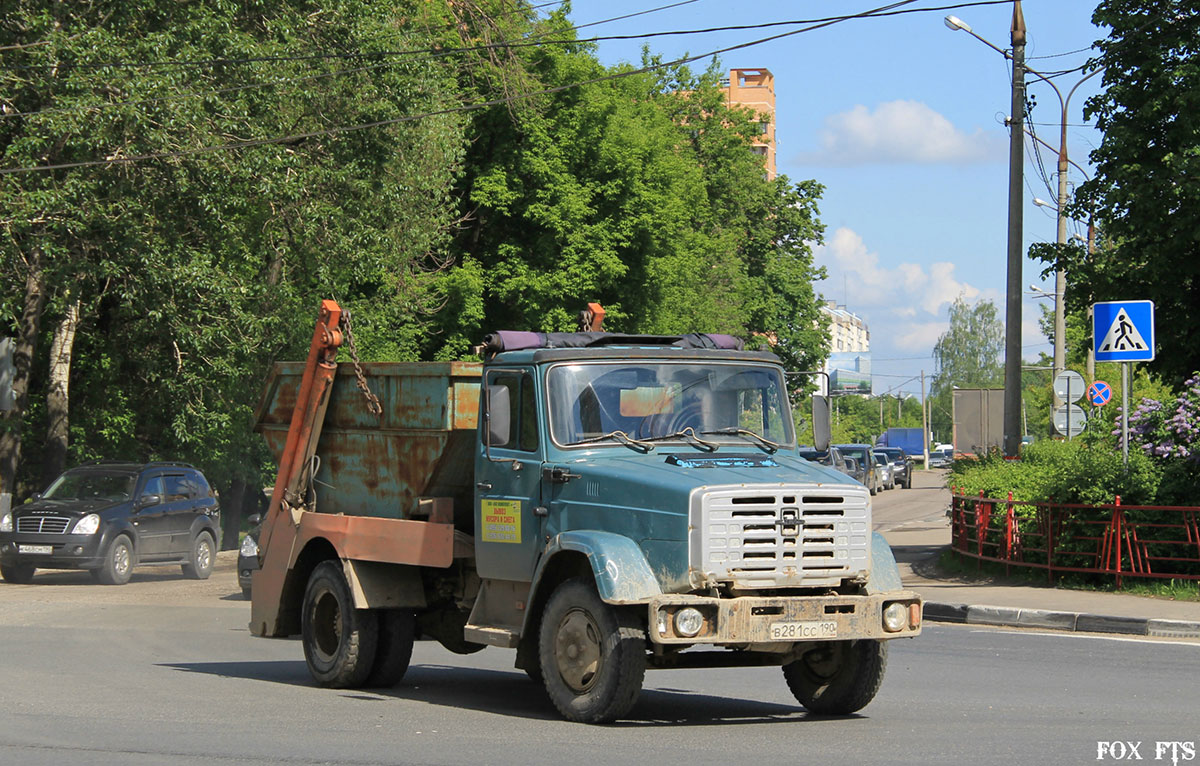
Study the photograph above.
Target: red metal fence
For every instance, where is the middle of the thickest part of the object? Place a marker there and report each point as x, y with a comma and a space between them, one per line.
1118, 540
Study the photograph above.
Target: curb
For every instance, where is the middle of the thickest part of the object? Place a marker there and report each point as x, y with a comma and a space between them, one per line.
1007, 616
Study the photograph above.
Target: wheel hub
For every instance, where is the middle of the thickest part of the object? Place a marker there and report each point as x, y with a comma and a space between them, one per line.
327, 625
577, 646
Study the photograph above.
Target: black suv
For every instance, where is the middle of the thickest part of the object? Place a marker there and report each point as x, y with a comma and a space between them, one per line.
107, 517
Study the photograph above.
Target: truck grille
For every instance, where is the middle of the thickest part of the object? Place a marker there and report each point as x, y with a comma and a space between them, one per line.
48, 525
783, 537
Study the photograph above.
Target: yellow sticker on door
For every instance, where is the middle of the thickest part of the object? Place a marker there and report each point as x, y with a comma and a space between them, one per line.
501, 520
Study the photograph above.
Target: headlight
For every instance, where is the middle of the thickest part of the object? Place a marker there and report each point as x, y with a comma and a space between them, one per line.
87, 525
895, 617
6, 523
688, 621
249, 546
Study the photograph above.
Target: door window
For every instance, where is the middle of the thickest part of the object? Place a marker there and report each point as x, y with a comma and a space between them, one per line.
522, 410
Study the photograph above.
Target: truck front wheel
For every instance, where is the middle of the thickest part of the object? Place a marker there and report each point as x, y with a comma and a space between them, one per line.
339, 640
592, 660
837, 677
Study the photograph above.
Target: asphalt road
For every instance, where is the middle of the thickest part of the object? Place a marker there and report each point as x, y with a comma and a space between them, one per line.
163, 671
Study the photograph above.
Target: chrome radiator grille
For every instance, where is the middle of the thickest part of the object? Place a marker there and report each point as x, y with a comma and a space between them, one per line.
50, 525
780, 537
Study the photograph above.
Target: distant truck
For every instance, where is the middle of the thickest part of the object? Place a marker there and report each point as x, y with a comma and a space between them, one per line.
911, 440
599, 503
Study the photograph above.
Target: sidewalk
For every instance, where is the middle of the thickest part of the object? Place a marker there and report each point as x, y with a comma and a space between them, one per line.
917, 547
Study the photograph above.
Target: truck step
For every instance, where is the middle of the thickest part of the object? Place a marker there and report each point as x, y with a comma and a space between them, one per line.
506, 638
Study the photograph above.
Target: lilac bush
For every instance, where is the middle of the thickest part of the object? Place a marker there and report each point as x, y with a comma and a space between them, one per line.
1169, 430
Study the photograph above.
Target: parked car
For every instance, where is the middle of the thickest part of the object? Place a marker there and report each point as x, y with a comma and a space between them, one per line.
831, 457
108, 517
867, 473
886, 480
941, 458
902, 465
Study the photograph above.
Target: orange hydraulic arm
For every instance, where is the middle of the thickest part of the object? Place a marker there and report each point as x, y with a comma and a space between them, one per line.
319, 369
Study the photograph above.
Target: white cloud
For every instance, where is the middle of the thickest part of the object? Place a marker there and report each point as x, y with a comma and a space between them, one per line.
919, 336
902, 290
900, 132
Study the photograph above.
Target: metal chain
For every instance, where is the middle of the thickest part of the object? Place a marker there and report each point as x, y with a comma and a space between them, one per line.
373, 404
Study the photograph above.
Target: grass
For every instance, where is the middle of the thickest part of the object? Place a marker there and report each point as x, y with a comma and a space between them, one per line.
950, 563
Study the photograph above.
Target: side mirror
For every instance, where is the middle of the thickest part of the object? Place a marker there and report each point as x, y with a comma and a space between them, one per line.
145, 501
822, 433
852, 464
499, 428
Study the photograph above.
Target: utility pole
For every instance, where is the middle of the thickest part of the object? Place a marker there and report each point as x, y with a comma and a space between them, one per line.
1016, 169
924, 422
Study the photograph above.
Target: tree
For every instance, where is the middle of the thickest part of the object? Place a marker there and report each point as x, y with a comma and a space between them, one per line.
639, 192
1145, 197
170, 284
970, 354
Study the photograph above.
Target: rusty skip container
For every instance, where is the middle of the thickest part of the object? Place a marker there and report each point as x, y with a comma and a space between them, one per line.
368, 465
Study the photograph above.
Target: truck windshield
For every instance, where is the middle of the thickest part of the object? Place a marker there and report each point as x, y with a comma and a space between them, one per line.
659, 400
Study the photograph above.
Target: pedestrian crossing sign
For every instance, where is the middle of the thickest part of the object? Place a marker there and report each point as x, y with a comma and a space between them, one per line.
1123, 331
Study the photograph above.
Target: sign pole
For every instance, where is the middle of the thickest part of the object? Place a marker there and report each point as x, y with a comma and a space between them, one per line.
1125, 413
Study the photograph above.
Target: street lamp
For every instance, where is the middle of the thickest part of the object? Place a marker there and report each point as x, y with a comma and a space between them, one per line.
1016, 165
1060, 276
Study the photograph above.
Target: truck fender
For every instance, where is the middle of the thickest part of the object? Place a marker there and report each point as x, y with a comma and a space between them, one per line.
885, 575
622, 573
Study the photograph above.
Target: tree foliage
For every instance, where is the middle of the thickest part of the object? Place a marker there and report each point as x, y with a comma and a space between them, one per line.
970, 354
197, 266
1145, 197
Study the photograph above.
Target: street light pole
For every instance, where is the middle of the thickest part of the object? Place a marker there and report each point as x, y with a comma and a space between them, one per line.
1060, 276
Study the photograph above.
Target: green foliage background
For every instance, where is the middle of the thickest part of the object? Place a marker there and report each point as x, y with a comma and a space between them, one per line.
195, 269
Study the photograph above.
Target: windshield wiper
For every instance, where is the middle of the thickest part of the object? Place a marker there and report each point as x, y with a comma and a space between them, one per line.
620, 436
766, 444
689, 435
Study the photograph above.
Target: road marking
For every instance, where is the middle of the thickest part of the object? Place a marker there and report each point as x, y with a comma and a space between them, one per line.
1093, 636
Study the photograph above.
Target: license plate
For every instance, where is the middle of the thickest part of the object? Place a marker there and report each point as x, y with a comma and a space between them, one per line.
801, 630
35, 549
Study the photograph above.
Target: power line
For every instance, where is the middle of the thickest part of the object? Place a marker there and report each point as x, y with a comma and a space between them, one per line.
534, 40
885, 10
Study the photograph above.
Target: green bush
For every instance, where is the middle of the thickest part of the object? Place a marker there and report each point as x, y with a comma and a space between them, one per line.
1061, 471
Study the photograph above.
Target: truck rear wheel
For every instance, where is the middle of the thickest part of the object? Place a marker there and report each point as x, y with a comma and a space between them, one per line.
339, 640
592, 661
397, 629
838, 677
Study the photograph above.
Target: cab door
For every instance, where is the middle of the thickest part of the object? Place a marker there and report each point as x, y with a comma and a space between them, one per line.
509, 514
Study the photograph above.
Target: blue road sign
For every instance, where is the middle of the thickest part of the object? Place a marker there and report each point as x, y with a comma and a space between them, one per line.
1123, 331
1099, 393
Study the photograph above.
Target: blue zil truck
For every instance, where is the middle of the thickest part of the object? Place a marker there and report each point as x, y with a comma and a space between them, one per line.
601, 504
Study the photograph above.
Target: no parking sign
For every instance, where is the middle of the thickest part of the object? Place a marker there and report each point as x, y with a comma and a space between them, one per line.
1099, 393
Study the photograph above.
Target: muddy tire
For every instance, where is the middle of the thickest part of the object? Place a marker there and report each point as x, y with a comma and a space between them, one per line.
118, 562
592, 660
397, 631
200, 561
18, 574
339, 640
838, 677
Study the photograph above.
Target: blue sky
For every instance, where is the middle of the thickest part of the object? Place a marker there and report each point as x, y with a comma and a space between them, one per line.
902, 120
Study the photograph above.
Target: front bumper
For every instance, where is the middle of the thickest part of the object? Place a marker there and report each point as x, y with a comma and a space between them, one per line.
66, 551
247, 566
783, 619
